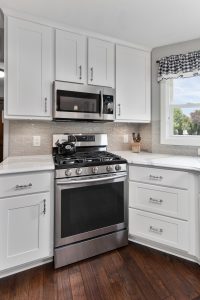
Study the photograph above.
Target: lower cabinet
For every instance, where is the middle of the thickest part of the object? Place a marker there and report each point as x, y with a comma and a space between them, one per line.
163, 210
24, 223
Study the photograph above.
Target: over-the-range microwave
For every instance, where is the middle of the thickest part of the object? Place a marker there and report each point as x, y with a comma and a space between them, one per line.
83, 102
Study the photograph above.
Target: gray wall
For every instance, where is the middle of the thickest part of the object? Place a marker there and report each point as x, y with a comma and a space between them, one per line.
154, 128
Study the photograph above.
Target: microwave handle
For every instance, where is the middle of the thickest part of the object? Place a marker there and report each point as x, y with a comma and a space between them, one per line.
101, 103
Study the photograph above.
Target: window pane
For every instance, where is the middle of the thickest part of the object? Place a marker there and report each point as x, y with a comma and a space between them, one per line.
186, 90
186, 121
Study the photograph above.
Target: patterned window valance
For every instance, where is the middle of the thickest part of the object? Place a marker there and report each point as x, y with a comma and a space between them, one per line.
182, 65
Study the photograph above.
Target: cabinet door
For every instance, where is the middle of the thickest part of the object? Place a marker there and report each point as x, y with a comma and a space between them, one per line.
132, 84
100, 63
29, 70
25, 229
70, 57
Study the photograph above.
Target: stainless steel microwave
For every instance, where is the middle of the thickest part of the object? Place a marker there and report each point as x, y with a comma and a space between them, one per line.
83, 102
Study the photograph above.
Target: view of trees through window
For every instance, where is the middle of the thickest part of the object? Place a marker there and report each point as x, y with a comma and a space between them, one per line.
185, 105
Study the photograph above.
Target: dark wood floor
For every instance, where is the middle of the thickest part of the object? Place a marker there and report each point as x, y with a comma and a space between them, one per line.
132, 272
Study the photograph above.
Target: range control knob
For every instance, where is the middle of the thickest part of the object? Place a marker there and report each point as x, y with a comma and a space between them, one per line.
79, 171
95, 170
68, 172
117, 167
109, 168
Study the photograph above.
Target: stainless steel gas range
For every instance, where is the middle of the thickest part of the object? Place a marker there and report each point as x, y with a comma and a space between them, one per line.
91, 200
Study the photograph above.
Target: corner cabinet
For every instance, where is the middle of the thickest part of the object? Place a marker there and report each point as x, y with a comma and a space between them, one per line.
71, 57
28, 63
101, 62
133, 99
26, 220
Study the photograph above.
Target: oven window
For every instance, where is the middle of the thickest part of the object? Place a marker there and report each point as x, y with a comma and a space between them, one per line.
78, 102
88, 208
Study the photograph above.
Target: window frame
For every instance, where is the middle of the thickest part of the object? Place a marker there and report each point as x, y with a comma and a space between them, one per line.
166, 136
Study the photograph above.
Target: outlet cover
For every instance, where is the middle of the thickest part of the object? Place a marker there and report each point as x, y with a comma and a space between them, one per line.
125, 138
36, 141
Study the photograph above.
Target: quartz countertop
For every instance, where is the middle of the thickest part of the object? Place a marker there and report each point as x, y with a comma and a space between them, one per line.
187, 163
20, 164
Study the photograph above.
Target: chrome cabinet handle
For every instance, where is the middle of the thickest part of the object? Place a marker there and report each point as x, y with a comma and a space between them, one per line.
152, 177
22, 187
92, 73
156, 230
80, 68
44, 207
119, 109
45, 104
156, 201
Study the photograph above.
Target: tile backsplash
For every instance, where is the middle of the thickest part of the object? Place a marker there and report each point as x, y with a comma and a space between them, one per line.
22, 132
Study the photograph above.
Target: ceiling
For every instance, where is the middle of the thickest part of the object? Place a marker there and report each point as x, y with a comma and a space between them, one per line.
150, 23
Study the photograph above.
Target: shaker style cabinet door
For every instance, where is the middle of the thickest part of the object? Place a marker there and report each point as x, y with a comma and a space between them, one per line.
101, 55
71, 57
28, 70
25, 229
133, 102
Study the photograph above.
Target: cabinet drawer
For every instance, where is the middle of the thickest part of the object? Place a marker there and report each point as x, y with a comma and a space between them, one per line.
160, 229
157, 199
159, 176
26, 183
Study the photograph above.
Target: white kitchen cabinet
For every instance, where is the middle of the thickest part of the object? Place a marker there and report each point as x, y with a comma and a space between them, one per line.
28, 61
26, 220
133, 99
101, 62
71, 57
24, 223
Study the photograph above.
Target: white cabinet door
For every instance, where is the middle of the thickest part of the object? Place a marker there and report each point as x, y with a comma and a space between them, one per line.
132, 85
101, 56
28, 70
71, 56
25, 229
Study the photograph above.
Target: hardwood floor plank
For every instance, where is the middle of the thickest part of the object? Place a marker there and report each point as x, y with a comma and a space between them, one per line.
7, 287
140, 278
76, 281
49, 282
92, 290
63, 284
21, 286
36, 283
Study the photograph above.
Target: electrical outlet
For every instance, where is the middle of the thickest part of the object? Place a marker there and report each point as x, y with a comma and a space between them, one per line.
36, 141
125, 138
198, 151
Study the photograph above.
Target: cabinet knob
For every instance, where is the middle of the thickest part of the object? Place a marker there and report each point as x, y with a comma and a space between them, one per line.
92, 73
45, 104
80, 74
119, 109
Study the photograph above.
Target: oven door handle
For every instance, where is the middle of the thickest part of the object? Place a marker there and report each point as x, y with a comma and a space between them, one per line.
91, 180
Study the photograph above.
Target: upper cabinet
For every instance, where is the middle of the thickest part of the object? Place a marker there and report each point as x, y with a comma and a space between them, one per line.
28, 70
101, 62
133, 99
71, 57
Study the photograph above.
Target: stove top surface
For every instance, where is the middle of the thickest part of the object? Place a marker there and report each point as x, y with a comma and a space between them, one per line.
84, 159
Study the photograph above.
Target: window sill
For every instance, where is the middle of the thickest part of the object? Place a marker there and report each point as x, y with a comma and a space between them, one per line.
181, 140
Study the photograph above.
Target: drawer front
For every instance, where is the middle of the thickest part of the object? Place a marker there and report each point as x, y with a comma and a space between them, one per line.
26, 183
161, 200
160, 229
159, 176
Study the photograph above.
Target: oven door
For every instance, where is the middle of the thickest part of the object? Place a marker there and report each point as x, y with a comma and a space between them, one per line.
89, 207
75, 101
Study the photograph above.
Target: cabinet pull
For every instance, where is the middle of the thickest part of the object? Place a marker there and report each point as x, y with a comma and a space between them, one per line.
156, 201
152, 177
80, 68
44, 207
119, 109
22, 187
156, 230
45, 104
92, 73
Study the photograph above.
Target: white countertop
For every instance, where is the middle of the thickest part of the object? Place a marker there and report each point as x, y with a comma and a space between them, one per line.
20, 164
190, 163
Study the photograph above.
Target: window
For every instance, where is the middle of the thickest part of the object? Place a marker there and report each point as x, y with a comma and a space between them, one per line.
180, 111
